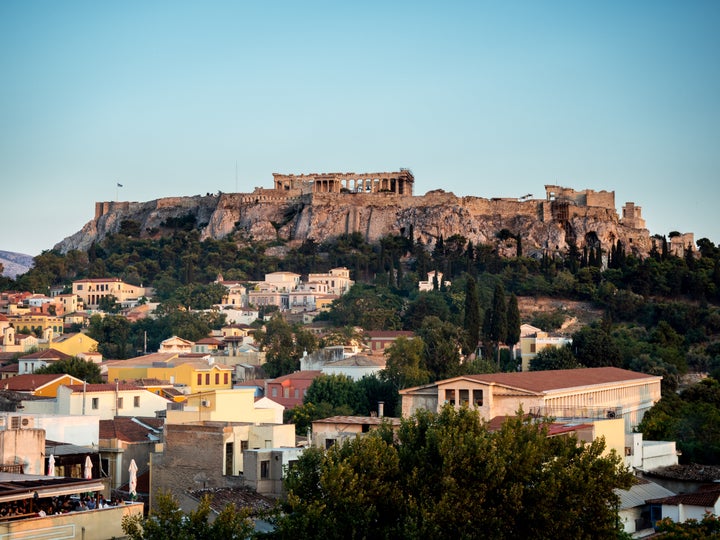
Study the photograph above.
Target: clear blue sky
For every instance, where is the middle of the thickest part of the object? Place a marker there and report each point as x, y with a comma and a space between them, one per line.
479, 98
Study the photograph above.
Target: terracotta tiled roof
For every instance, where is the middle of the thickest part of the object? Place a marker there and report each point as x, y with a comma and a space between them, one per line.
543, 381
705, 498
48, 354
30, 381
240, 497
128, 430
252, 382
209, 341
10, 368
298, 375
387, 334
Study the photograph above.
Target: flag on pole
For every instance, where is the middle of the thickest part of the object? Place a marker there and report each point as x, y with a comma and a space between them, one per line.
119, 185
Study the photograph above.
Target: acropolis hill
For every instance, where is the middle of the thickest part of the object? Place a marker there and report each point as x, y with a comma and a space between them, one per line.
322, 206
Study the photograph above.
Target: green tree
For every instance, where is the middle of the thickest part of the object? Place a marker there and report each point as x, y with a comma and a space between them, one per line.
109, 304
472, 316
495, 323
446, 475
284, 344
595, 347
426, 304
512, 337
443, 341
333, 389
692, 529
691, 418
85, 370
112, 333
554, 358
405, 363
167, 520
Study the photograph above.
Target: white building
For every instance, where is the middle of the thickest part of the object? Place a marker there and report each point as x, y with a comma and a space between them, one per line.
73, 429
109, 400
429, 284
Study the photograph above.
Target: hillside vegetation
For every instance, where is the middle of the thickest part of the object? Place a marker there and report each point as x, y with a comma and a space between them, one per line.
657, 315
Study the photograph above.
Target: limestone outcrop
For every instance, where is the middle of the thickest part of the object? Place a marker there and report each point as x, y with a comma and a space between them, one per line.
545, 225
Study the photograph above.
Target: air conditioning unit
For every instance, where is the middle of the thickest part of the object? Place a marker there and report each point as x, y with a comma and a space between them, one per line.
205, 403
611, 414
27, 422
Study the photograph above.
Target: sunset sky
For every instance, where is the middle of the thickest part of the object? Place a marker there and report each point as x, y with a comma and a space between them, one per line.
492, 99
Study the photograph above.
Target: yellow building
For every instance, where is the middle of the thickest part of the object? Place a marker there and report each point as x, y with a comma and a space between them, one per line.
195, 372
39, 385
31, 324
92, 291
74, 344
233, 405
533, 340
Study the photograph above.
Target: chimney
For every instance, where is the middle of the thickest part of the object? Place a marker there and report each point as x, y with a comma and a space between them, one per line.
381, 409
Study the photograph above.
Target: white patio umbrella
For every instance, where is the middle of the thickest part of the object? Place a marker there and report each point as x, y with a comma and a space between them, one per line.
88, 468
51, 465
132, 484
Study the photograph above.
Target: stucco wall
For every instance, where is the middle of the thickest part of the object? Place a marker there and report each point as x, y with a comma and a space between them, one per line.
91, 525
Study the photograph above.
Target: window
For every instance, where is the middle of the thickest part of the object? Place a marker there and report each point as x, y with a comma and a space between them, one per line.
199, 379
478, 397
265, 468
532, 347
136, 401
244, 445
465, 397
95, 403
225, 378
274, 391
329, 443
450, 396
120, 403
229, 458
79, 287
207, 378
217, 378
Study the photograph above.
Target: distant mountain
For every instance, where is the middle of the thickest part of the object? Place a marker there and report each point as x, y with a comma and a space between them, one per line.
15, 264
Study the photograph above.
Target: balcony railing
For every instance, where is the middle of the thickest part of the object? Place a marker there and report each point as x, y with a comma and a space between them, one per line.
577, 413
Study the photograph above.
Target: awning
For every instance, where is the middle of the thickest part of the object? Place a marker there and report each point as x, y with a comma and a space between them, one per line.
53, 491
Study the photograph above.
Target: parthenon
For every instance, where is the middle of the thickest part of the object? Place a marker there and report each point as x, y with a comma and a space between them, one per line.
399, 183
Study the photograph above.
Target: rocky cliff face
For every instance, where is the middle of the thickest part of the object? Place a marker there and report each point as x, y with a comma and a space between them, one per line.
267, 215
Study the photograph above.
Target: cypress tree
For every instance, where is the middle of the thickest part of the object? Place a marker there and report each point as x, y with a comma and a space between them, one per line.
513, 323
472, 316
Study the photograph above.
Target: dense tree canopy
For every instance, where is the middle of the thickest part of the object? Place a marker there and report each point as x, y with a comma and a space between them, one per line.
692, 419
445, 475
85, 370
